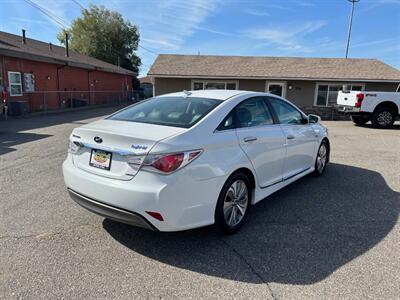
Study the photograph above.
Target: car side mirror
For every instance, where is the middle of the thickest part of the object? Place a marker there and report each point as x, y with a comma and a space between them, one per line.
313, 119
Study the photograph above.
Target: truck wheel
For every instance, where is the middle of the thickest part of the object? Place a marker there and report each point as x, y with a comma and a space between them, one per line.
383, 118
359, 120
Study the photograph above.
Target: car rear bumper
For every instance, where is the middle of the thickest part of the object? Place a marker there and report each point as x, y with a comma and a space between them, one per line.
183, 201
348, 109
111, 212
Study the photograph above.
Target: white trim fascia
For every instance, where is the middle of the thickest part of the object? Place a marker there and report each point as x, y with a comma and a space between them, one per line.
283, 83
20, 83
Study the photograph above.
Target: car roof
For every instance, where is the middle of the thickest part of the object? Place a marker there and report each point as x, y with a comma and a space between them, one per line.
213, 94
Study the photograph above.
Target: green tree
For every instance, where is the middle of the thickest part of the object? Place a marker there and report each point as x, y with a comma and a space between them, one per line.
105, 35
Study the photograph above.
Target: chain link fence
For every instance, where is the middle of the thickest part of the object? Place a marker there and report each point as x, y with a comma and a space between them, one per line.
67, 100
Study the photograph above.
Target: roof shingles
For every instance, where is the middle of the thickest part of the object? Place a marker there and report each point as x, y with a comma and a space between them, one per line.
10, 43
272, 67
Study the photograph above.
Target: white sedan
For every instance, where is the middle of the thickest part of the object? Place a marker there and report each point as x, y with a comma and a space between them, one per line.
192, 159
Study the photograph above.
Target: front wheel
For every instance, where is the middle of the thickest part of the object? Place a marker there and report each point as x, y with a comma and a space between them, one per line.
322, 158
233, 203
359, 120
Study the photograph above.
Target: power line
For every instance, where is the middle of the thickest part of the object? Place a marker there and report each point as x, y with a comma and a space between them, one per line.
148, 50
49, 14
63, 24
79, 4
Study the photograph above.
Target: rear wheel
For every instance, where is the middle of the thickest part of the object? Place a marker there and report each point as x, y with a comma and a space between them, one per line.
233, 203
322, 158
358, 120
383, 117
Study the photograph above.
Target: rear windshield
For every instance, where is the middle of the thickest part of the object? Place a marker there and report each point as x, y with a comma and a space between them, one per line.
168, 111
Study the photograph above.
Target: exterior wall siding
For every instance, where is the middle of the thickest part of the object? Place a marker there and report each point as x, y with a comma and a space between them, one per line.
381, 86
171, 85
50, 78
252, 85
301, 93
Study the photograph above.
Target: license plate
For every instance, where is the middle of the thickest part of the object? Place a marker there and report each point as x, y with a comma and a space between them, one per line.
100, 159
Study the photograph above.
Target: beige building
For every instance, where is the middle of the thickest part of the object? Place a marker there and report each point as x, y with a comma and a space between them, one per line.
311, 83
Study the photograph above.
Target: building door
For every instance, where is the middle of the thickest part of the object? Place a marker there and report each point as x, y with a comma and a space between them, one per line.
277, 88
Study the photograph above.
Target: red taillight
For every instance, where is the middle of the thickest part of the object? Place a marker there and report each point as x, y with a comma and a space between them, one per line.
164, 163
168, 163
155, 215
360, 98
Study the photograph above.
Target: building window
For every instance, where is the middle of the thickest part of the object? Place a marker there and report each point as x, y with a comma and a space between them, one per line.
214, 85
29, 82
326, 93
198, 85
15, 83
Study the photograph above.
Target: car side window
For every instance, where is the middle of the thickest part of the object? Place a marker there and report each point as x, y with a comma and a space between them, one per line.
253, 112
227, 123
286, 113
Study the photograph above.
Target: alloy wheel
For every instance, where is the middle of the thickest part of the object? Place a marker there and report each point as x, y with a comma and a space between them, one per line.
235, 203
385, 118
321, 158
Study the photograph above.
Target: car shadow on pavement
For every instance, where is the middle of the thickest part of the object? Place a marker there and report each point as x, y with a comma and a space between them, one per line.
28, 122
9, 140
11, 131
299, 235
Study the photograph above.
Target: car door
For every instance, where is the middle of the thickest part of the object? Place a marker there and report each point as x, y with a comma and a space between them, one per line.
300, 138
261, 139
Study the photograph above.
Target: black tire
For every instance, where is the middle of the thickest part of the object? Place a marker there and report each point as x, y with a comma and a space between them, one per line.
358, 120
383, 117
221, 221
318, 170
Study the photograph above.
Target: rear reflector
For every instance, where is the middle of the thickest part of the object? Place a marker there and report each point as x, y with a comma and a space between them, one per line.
360, 98
155, 215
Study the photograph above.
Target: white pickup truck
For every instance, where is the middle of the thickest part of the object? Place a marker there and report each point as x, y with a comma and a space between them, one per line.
381, 108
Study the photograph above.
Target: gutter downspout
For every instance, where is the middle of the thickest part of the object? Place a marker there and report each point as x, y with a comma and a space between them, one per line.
88, 81
58, 82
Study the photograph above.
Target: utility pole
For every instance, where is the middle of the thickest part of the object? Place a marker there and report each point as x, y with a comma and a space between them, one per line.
353, 2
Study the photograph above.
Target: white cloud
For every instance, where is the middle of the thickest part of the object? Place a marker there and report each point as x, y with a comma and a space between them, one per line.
165, 25
58, 9
217, 32
287, 38
257, 13
376, 4
167, 22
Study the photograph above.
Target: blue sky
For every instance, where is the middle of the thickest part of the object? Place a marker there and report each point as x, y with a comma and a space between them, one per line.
311, 28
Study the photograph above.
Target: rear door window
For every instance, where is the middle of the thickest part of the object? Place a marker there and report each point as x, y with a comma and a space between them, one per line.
253, 112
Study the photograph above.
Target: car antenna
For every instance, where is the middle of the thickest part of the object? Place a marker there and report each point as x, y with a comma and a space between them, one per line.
187, 93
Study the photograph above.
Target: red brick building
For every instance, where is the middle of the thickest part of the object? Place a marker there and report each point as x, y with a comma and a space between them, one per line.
45, 76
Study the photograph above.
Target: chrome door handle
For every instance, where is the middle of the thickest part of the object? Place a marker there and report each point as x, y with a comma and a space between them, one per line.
249, 139
290, 137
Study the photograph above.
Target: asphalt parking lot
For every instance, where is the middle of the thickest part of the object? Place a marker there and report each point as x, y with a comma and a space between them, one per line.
336, 237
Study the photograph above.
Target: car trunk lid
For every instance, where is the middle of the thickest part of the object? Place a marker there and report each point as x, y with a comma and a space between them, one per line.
112, 141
